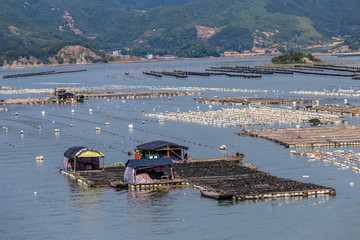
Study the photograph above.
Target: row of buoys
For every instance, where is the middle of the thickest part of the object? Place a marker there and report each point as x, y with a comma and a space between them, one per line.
338, 93
250, 116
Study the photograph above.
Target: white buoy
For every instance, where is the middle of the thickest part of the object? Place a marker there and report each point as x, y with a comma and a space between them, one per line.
222, 147
22, 132
305, 176
90, 110
57, 130
210, 107
16, 114
43, 113
351, 184
97, 129
71, 125
131, 126
35, 193
73, 111
143, 122
39, 158
107, 124
123, 101
39, 127
345, 101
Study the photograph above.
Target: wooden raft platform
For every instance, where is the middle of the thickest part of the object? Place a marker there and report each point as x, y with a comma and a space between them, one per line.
222, 179
254, 100
28, 101
339, 136
126, 95
225, 180
350, 110
111, 95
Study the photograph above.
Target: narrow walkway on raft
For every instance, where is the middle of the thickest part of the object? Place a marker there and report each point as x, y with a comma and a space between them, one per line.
222, 179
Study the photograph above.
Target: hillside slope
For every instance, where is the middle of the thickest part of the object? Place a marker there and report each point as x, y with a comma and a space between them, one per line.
167, 27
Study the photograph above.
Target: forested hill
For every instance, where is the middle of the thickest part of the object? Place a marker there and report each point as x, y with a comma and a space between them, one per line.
176, 27
152, 3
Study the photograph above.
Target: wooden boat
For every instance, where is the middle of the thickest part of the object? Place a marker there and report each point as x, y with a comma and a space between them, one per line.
118, 184
355, 77
214, 195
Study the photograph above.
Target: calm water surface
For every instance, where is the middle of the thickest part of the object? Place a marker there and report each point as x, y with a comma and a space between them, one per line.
37, 202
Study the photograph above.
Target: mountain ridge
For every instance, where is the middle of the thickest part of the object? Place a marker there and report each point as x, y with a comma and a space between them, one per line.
168, 27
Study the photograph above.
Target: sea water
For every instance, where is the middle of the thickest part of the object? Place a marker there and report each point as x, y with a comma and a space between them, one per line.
38, 202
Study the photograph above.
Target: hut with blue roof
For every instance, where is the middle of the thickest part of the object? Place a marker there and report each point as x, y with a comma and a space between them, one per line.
148, 170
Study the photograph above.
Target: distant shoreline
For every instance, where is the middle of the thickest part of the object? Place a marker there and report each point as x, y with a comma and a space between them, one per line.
175, 59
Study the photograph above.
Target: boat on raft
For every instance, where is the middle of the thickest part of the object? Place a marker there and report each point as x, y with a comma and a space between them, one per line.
215, 195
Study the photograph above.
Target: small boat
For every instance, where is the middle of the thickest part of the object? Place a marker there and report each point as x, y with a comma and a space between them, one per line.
215, 195
355, 77
118, 184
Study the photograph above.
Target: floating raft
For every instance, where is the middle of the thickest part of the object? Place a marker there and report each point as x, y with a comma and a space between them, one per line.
98, 178
254, 100
123, 95
216, 179
126, 95
339, 136
351, 110
28, 101
31, 74
224, 180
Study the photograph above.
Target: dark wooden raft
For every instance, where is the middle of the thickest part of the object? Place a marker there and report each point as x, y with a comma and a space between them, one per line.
227, 180
98, 178
220, 179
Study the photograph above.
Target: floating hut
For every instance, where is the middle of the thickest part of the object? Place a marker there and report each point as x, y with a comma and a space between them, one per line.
148, 170
161, 149
82, 159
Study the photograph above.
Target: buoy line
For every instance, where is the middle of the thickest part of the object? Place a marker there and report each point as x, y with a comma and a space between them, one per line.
105, 131
19, 148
